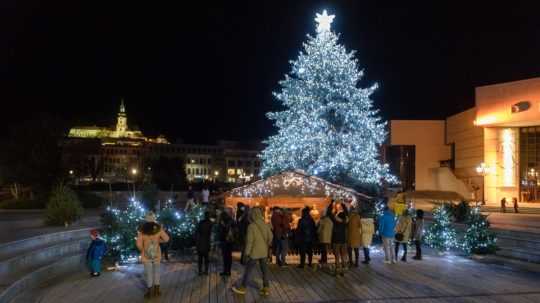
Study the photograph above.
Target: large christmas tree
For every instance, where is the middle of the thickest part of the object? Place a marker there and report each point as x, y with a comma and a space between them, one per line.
329, 127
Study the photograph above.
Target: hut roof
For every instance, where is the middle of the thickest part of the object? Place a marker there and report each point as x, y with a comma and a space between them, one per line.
296, 184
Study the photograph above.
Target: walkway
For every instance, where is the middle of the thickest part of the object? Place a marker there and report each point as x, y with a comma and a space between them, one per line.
436, 279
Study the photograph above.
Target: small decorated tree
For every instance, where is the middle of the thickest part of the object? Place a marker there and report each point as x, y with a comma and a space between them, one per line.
479, 239
441, 235
120, 230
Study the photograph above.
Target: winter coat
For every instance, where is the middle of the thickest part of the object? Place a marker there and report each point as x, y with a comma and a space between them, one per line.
202, 236
353, 231
259, 236
96, 250
224, 227
242, 224
280, 225
387, 225
404, 227
339, 232
306, 229
324, 230
368, 229
151, 233
418, 231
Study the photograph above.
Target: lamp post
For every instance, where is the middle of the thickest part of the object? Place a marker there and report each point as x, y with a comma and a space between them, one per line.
134, 172
483, 170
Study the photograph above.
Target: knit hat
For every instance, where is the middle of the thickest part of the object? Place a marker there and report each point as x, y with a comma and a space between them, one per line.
94, 232
150, 217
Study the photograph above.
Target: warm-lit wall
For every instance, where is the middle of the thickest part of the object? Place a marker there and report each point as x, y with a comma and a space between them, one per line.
469, 149
494, 103
428, 138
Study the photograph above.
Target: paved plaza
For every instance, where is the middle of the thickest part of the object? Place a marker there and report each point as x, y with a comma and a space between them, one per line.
435, 279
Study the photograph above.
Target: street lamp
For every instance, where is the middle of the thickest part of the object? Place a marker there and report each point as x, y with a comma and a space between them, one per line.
134, 172
483, 170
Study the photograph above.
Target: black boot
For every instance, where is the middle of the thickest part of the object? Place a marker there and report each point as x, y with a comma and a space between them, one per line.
148, 293
366, 256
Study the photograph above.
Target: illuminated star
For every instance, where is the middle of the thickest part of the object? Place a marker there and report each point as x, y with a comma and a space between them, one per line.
324, 21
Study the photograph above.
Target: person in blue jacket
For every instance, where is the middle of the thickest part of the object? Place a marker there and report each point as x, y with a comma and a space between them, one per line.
95, 253
387, 230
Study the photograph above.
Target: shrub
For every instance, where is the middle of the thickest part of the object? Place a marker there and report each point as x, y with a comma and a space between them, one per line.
63, 207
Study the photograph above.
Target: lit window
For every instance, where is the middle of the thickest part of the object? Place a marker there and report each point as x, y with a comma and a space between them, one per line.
239, 171
230, 172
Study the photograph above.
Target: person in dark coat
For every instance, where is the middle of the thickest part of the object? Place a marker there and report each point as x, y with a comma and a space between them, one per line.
226, 237
503, 205
516, 206
202, 242
339, 216
242, 222
306, 237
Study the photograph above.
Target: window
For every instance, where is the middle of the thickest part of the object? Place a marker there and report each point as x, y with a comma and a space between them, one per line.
197, 171
209, 161
189, 171
240, 163
230, 171
230, 163
201, 161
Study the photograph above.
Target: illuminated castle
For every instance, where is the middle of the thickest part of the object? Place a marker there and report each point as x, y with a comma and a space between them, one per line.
112, 135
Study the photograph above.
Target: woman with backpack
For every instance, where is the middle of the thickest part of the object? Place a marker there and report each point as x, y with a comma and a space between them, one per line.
149, 236
403, 234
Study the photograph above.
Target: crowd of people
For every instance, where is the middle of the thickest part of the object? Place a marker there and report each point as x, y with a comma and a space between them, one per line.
342, 231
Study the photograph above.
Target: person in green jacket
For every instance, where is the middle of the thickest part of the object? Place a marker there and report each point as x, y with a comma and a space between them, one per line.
258, 240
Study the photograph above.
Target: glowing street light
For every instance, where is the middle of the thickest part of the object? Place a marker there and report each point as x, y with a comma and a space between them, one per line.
483, 170
71, 172
134, 171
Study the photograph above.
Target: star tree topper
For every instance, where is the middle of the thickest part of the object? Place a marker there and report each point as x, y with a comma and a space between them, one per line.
324, 21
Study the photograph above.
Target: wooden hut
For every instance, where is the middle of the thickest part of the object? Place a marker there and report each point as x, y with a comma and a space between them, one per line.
292, 190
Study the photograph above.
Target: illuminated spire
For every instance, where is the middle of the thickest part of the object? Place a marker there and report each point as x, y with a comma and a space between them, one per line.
122, 106
324, 21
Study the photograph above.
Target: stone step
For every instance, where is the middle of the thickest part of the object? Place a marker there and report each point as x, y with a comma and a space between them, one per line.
32, 279
512, 234
13, 268
510, 209
527, 255
11, 249
518, 243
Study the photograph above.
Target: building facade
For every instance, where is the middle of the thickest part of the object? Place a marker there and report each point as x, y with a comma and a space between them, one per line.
119, 154
489, 152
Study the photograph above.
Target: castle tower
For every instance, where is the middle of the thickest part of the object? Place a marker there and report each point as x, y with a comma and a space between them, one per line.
121, 124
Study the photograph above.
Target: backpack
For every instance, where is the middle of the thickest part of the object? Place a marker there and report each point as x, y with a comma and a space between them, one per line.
151, 251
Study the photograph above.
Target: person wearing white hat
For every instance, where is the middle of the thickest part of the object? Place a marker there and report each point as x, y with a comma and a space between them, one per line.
149, 236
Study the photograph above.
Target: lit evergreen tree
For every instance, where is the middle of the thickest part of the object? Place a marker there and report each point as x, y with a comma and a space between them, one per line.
441, 235
120, 228
478, 238
329, 127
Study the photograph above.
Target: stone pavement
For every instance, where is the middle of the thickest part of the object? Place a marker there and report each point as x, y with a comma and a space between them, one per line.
435, 279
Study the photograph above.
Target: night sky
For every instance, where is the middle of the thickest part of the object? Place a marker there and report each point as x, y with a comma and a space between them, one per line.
207, 72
